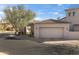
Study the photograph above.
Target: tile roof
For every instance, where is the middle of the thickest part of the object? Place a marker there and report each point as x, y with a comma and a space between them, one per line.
52, 21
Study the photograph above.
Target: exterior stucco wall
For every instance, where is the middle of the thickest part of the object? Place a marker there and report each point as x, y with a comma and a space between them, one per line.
72, 19
72, 35
67, 34
37, 26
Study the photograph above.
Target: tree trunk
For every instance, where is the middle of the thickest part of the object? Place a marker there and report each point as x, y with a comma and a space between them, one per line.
24, 31
21, 31
16, 32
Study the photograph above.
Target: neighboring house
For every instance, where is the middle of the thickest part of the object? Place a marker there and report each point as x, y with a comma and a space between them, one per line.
67, 27
5, 26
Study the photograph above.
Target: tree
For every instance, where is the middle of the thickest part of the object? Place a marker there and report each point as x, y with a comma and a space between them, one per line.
18, 16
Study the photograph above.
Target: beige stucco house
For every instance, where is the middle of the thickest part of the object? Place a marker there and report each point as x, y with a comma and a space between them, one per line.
50, 29
67, 27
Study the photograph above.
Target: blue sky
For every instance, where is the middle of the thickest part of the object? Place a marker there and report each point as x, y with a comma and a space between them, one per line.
44, 11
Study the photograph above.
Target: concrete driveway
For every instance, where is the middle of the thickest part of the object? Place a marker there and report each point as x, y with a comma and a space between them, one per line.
76, 42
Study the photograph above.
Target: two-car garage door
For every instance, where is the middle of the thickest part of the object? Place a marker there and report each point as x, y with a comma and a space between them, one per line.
51, 32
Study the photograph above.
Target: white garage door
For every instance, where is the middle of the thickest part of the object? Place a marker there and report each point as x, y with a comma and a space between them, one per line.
51, 32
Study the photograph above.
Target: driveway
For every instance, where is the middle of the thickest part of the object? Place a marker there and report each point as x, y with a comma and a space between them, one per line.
76, 42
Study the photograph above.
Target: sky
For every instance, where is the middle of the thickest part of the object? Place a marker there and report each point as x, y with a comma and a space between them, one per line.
43, 11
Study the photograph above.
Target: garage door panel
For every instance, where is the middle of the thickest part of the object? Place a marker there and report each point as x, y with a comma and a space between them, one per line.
51, 32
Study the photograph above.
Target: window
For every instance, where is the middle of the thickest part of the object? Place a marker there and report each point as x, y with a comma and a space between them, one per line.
69, 14
73, 13
76, 27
